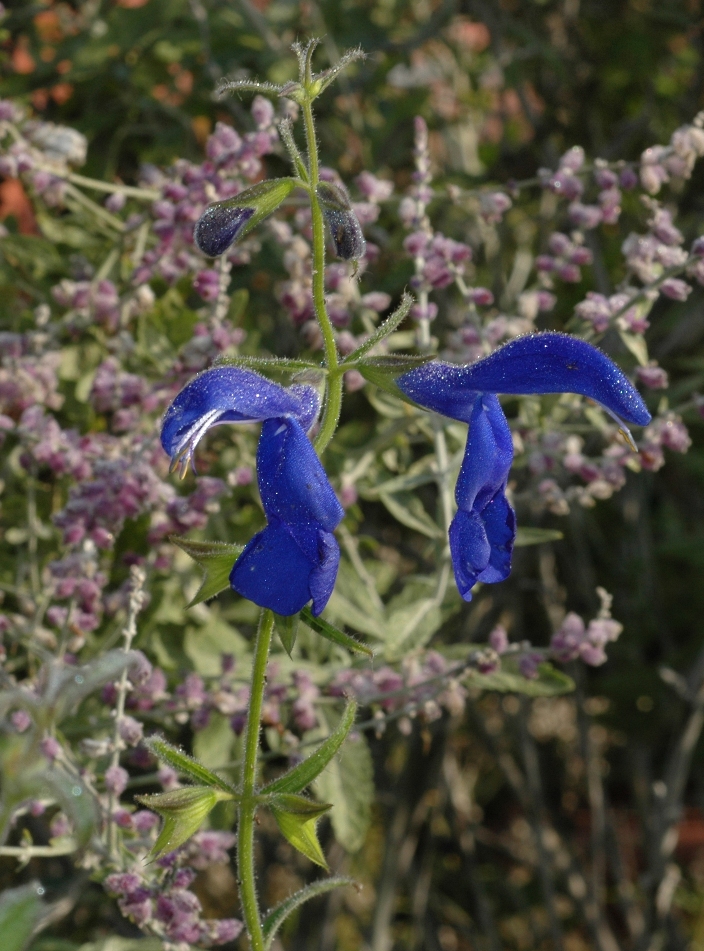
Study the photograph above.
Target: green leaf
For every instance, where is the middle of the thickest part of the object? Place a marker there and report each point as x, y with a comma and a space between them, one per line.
383, 330
549, 681
216, 559
20, 911
383, 370
278, 915
637, 345
282, 364
287, 629
296, 779
536, 536
411, 626
332, 633
296, 817
238, 305
348, 782
185, 764
183, 812
408, 509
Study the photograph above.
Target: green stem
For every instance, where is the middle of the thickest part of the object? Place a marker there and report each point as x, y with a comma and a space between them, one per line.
333, 400
248, 805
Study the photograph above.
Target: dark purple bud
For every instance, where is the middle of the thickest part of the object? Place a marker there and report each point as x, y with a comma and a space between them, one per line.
345, 229
218, 227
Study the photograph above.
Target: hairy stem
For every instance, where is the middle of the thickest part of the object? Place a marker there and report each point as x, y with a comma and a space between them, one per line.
333, 399
245, 835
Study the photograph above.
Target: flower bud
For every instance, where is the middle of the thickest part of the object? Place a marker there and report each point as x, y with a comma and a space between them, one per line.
225, 221
345, 229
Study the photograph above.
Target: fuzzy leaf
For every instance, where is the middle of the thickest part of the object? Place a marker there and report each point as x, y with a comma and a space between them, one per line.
637, 345
216, 559
296, 779
183, 763
334, 634
281, 364
20, 911
536, 536
296, 817
278, 915
549, 681
383, 330
348, 782
183, 811
382, 371
287, 629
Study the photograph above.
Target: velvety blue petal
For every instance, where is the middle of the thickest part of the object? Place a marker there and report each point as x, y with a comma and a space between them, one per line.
500, 525
273, 571
322, 578
231, 394
292, 482
470, 550
488, 456
537, 363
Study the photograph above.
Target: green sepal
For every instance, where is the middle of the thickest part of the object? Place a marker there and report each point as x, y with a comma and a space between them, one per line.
383, 370
278, 915
332, 633
333, 197
296, 779
185, 764
287, 629
263, 198
20, 911
183, 811
527, 535
216, 559
296, 817
383, 330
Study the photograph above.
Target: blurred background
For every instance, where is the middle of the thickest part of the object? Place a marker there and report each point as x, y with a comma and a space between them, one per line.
572, 822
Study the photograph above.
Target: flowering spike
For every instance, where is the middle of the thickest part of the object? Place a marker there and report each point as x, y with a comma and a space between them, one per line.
538, 363
345, 229
225, 221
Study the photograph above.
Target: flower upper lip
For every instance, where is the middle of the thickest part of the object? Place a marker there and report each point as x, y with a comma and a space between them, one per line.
536, 363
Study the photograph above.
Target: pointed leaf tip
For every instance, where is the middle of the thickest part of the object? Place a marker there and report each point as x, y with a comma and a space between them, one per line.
296, 818
183, 811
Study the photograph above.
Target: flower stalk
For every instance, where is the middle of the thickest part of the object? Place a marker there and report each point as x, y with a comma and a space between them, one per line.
248, 804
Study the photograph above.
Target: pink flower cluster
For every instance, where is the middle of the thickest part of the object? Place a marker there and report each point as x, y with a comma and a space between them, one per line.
166, 907
564, 259
575, 641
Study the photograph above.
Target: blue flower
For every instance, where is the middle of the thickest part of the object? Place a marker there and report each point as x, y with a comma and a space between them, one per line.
484, 529
294, 559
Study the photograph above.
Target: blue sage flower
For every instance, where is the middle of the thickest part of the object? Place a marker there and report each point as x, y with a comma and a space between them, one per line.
294, 559
484, 529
